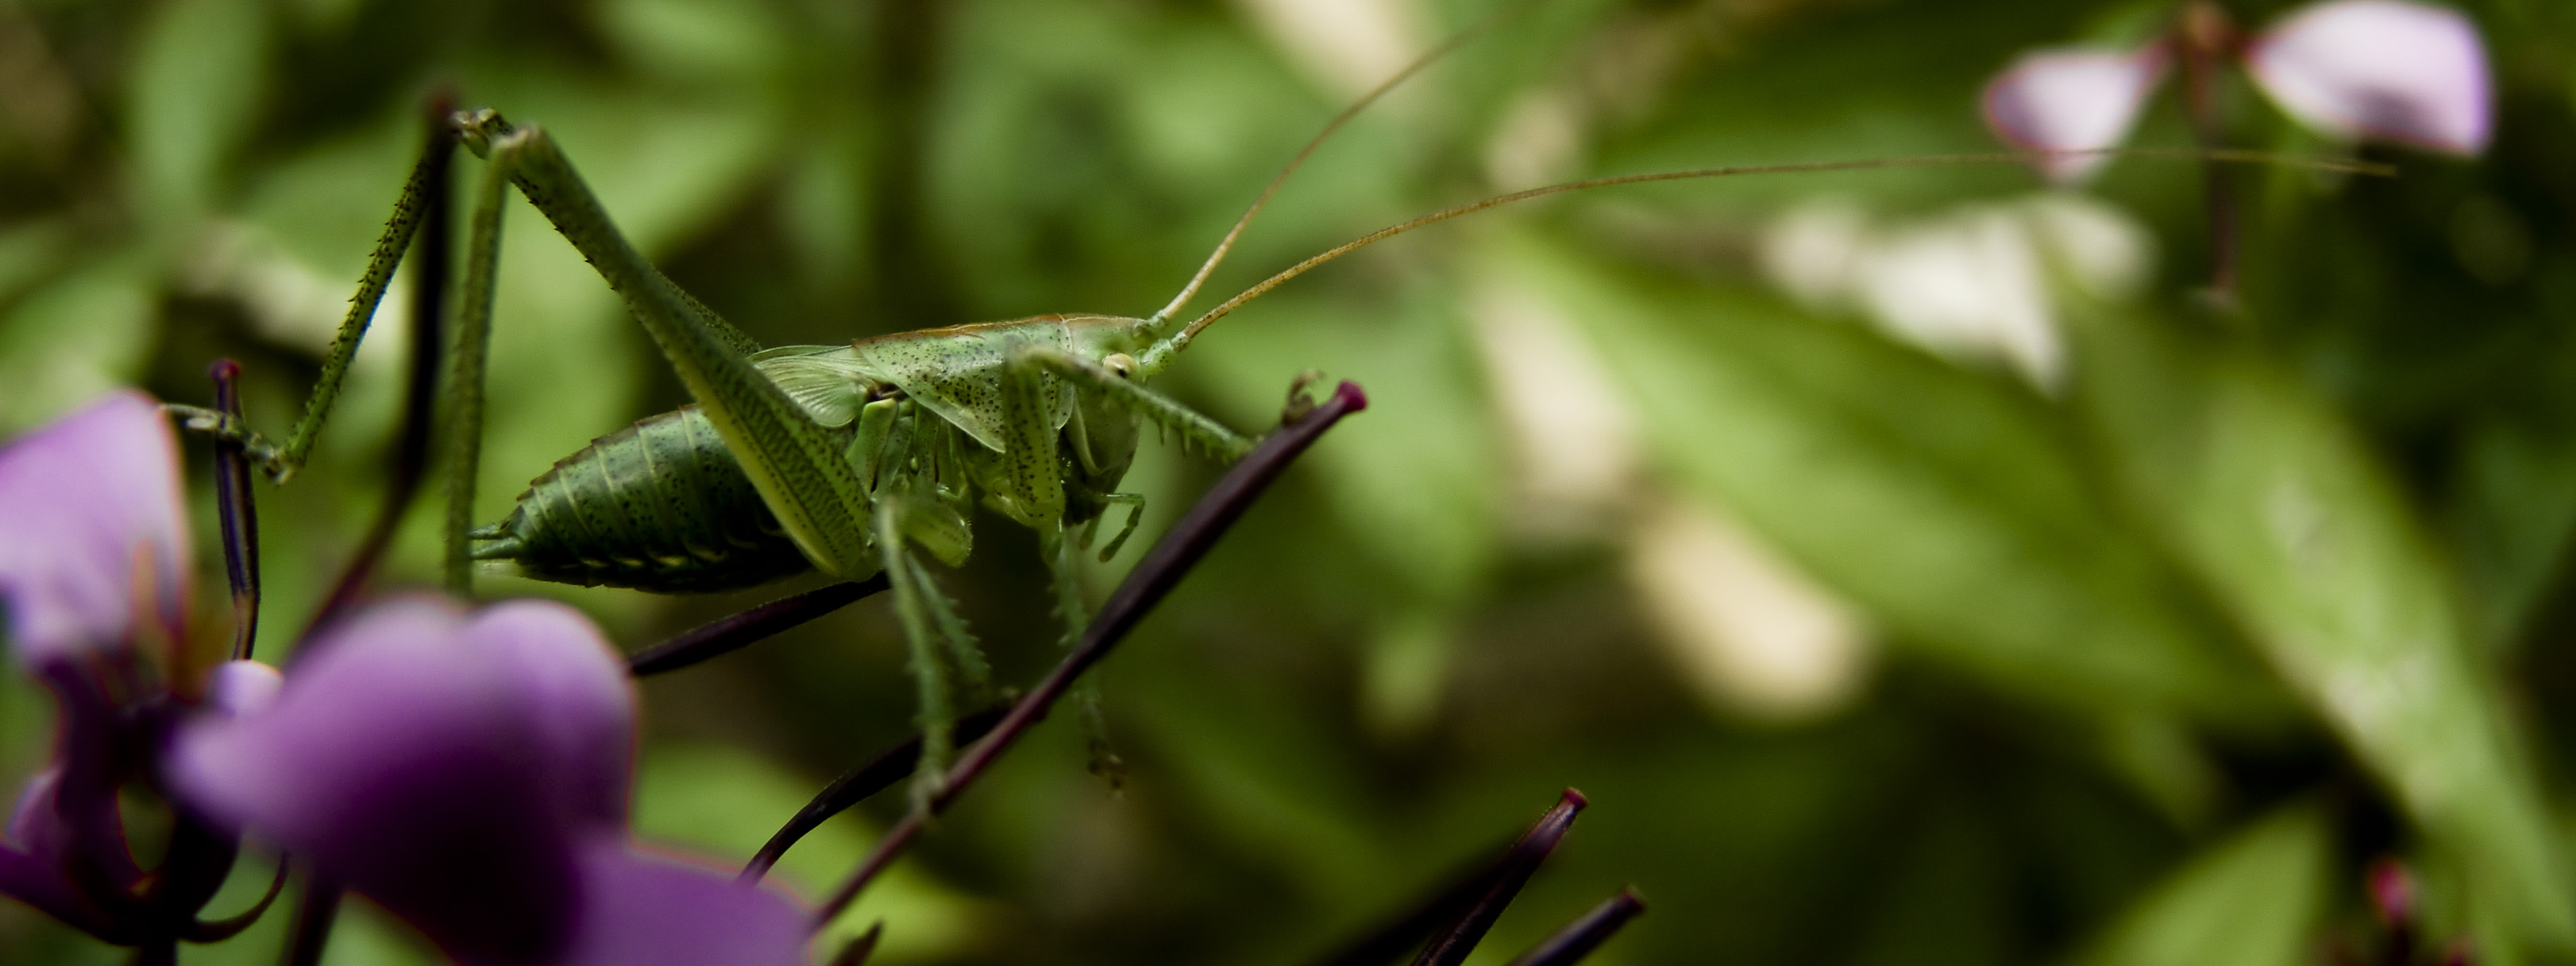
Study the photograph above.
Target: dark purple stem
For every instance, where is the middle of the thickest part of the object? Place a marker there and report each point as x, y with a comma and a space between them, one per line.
410, 457
2206, 40
240, 515
1390, 940
726, 635
1579, 938
1154, 577
858, 951
2392, 896
202, 931
199, 858
888, 767
315, 912
95, 761
1452, 947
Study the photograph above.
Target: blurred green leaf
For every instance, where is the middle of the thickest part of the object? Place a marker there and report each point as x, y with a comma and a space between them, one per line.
2290, 522
696, 40
29, 251
2514, 513
2252, 900
1416, 475
1946, 502
84, 334
198, 75
1416, 479
1261, 779
722, 803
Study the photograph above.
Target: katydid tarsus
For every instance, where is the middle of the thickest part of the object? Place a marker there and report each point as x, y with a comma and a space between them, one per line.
841, 458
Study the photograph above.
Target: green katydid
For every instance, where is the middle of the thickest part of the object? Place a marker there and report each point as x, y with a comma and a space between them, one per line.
835, 458
841, 459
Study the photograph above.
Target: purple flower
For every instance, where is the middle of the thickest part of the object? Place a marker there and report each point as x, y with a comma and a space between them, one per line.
2072, 99
2387, 70
93, 559
470, 772
92, 549
2384, 69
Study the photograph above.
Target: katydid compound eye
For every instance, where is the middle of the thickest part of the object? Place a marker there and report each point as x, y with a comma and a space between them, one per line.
1122, 364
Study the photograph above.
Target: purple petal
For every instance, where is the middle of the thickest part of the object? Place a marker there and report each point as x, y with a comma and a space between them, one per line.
641, 910
32, 826
90, 516
2072, 99
39, 860
447, 766
2384, 69
238, 688
577, 691
89, 765
32, 866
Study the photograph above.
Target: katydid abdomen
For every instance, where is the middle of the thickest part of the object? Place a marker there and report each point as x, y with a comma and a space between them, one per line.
659, 506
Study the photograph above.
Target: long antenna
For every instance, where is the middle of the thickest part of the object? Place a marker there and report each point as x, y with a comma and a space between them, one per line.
1226, 245
2338, 165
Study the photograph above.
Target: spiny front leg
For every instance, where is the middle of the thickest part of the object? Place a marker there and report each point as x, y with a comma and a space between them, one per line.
1030, 485
473, 338
1196, 429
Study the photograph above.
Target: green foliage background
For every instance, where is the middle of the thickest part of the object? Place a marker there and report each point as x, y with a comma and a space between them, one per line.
2163, 655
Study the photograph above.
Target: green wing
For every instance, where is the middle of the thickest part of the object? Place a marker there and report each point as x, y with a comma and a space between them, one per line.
959, 373
829, 381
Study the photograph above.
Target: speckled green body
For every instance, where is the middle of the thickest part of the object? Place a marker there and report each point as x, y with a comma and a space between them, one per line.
937, 418
659, 506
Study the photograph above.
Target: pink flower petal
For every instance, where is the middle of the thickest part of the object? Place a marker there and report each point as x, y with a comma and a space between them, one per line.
2072, 99
90, 513
2383, 69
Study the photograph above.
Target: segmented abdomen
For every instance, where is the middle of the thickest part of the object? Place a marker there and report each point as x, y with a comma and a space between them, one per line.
658, 506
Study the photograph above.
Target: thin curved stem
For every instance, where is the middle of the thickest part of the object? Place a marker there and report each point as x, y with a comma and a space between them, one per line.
236, 506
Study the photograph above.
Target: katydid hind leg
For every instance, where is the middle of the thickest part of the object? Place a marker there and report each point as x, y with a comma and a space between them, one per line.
381, 263
282, 460
800, 467
465, 383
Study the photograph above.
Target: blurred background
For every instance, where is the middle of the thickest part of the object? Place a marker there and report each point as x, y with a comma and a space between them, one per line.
1913, 566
